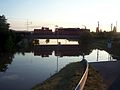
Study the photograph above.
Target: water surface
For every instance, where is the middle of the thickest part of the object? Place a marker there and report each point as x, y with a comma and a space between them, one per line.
21, 71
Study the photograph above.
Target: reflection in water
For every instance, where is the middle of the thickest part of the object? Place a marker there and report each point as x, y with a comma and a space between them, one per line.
97, 55
34, 65
55, 42
57, 65
115, 50
100, 56
47, 41
62, 50
5, 60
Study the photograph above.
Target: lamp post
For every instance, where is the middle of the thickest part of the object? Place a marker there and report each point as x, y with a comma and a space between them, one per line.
57, 32
56, 28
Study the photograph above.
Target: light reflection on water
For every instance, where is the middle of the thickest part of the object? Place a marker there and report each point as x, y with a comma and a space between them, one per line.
102, 56
55, 41
28, 70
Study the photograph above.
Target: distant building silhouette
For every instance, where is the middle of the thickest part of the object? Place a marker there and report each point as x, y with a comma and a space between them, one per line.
43, 31
60, 31
97, 28
111, 27
114, 29
70, 31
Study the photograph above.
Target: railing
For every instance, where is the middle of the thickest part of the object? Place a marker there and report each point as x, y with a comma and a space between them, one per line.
81, 84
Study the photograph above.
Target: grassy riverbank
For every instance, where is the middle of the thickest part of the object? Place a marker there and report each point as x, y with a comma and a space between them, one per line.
94, 80
65, 79
69, 76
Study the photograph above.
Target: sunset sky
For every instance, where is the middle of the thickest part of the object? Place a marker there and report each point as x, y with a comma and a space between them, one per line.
64, 13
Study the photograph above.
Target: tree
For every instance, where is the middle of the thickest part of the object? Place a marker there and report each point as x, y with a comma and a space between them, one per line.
4, 26
85, 37
47, 41
6, 37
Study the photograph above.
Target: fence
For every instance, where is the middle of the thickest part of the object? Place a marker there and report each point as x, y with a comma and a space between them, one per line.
81, 84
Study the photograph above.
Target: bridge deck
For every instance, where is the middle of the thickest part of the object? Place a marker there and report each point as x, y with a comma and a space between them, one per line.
54, 36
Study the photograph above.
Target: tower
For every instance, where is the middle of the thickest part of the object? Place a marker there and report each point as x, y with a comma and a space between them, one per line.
116, 26
98, 25
97, 29
111, 26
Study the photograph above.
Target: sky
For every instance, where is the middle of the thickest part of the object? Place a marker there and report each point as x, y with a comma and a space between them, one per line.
63, 13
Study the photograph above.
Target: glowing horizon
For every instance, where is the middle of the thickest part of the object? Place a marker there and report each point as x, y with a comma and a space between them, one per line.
64, 13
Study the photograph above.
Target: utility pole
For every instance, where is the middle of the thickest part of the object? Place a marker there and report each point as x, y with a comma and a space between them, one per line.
28, 23
56, 27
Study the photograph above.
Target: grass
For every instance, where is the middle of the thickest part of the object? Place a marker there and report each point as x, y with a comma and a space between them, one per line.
94, 80
66, 79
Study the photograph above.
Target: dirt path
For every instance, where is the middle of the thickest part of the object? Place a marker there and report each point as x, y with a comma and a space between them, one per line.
110, 72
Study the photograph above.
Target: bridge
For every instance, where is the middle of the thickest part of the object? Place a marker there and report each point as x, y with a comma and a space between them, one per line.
32, 36
59, 33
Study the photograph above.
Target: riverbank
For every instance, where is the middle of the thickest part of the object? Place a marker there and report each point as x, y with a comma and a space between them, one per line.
110, 72
94, 80
66, 79
69, 76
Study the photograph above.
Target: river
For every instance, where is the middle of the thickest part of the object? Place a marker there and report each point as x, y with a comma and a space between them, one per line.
26, 68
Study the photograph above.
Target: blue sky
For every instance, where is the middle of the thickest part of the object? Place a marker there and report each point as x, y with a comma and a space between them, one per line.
64, 13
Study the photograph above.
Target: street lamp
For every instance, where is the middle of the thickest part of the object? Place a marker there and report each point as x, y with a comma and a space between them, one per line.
57, 32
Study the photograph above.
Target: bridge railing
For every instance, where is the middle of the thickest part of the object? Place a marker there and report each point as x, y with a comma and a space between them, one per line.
81, 84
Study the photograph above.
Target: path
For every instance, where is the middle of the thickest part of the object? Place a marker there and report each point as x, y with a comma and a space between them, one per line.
110, 72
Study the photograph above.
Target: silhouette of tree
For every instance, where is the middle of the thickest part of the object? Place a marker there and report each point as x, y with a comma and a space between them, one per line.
36, 42
4, 26
6, 36
85, 37
5, 60
47, 41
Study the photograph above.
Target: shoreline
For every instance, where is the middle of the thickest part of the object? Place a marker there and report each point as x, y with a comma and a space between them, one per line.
66, 78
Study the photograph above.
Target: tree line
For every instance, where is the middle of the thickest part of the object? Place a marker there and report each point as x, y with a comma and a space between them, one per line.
8, 38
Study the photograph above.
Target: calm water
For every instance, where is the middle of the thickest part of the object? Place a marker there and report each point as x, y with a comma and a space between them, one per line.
24, 70
55, 41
